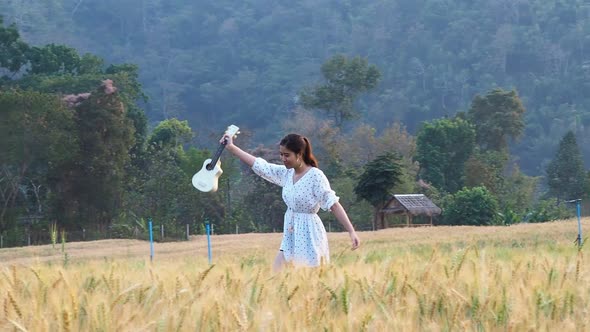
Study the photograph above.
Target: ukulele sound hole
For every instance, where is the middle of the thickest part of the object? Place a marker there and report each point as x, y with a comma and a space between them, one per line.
209, 166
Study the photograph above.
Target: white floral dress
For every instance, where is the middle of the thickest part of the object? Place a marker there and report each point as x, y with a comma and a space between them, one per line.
304, 237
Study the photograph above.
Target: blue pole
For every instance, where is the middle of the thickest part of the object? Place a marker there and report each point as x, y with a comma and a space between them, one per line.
151, 240
578, 203
208, 241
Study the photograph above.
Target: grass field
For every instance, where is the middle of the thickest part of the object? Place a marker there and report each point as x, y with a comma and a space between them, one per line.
528, 277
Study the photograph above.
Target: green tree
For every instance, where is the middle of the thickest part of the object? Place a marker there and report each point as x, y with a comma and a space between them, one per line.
566, 173
486, 169
498, 117
13, 51
471, 206
171, 133
84, 183
442, 148
90, 64
54, 60
377, 182
36, 139
362, 145
346, 79
519, 192
164, 191
93, 184
167, 195
550, 209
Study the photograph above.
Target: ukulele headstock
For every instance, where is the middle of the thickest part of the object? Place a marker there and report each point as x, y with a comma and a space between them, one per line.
232, 131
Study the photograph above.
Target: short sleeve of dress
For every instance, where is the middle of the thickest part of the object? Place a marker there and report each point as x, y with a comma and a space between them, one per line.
326, 196
273, 173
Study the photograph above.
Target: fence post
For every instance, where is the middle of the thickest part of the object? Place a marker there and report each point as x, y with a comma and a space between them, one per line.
1, 241
162, 231
187, 233
151, 240
578, 202
208, 241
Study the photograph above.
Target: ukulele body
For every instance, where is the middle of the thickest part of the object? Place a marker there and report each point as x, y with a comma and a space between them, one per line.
207, 178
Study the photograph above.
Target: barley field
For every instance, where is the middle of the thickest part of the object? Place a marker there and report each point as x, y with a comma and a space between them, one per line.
529, 277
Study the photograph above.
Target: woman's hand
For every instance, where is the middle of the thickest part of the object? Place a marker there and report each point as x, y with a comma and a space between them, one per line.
227, 140
356, 242
236, 151
342, 217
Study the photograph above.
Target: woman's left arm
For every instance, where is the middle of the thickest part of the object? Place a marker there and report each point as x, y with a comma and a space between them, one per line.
342, 217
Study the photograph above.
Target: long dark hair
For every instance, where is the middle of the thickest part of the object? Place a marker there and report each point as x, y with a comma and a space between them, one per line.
300, 144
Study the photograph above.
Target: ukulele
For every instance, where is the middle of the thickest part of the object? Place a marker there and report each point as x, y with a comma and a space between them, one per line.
206, 179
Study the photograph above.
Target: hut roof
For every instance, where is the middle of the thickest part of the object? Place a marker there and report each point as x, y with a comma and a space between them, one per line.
416, 204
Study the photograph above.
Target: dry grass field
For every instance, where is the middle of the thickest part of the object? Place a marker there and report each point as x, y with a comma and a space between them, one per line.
528, 277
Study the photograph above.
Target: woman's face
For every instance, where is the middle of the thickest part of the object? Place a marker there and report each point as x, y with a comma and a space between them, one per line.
288, 157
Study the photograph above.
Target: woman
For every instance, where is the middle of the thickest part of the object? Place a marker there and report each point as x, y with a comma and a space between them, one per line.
305, 190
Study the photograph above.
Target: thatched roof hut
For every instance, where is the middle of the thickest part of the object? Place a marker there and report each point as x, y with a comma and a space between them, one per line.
411, 205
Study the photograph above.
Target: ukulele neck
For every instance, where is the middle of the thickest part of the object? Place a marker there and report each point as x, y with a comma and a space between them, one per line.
216, 156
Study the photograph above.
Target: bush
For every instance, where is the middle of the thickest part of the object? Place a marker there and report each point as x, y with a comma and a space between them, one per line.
471, 206
550, 209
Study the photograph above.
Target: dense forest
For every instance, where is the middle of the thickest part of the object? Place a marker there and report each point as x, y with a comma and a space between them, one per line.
476, 101
221, 62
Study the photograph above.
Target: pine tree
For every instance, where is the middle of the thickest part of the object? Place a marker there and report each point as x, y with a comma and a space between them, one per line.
565, 173
377, 182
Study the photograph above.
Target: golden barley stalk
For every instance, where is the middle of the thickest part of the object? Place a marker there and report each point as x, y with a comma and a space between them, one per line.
259, 297
66, 320
55, 283
290, 296
330, 290
218, 315
15, 306
578, 264
365, 321
181, 319
123, 293
5, 306
241, 318
74, 302
345, 300
205, 273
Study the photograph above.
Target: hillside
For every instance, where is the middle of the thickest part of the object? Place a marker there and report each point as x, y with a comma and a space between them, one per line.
244, 62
